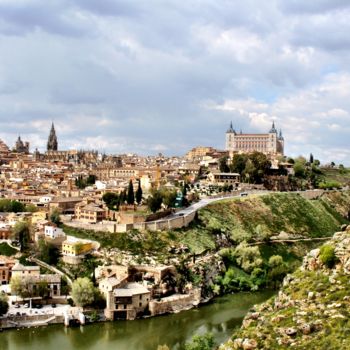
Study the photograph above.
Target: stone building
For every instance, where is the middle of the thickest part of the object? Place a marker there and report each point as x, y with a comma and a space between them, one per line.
6, 265
271, 143
21, 147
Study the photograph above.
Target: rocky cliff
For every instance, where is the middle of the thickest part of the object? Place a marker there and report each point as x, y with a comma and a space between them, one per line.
312, 308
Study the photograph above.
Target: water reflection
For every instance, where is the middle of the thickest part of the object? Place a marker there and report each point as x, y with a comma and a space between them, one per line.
220, 317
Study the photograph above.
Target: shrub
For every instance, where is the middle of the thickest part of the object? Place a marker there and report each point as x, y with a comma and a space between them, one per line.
201, 342
327, 255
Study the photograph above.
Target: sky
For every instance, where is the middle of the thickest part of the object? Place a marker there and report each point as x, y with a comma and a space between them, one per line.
166, 75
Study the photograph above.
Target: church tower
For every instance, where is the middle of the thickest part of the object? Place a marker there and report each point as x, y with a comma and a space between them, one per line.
52, 140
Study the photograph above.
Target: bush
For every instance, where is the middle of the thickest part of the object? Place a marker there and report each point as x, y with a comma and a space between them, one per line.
201, 342
327, 255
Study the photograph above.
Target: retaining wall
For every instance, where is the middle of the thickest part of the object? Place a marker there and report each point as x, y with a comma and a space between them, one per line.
175, 303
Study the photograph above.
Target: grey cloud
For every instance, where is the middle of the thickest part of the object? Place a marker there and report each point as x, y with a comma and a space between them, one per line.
312, 7
20, 18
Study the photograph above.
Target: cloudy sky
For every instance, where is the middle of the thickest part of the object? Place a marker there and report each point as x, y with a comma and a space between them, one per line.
167, 75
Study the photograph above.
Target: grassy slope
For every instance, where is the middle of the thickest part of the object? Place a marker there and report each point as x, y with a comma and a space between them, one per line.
239, 219
342, 177
5, 249
243, 218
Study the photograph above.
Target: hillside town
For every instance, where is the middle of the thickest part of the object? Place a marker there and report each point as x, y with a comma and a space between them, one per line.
46, 199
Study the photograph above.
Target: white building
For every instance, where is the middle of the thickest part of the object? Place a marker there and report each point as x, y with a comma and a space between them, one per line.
53, 231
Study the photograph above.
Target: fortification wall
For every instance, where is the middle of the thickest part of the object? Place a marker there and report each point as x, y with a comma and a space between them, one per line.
175, 303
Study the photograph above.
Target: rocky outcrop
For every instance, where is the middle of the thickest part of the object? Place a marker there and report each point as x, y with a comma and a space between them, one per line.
311, 310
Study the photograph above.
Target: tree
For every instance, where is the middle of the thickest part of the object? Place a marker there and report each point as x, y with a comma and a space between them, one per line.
311, 159
154, 202
299, 169
4, 305
249, 171
18, 286
247, 257
112, 200
201, 342
139, 193
169, 198
21, 232
8, 206
275, 260
55, 216
48, 252
223, 164
130, 197
31, 208
83, 292
238, 163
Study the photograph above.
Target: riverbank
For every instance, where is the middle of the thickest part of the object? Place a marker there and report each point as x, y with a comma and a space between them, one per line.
220, 317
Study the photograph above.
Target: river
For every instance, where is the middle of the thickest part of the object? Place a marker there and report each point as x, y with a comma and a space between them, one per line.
219, 317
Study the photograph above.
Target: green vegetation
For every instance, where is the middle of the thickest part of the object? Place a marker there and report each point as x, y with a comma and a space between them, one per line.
130, 199
240, 230
4, 306
321, 321
138, 194
112, 200
252, 167
5, 249
55, 216
82, 182
21, 232
83, 292
48, 252
327, 255
201, 342
11, 206
154, 202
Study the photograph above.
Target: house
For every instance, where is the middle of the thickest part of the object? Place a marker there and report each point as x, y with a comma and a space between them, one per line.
35, 280
53, 232
24, 271
89, 211
127, 301
74, 250
6, 265
224, 179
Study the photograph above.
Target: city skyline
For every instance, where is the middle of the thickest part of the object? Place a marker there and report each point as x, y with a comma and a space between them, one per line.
165, 77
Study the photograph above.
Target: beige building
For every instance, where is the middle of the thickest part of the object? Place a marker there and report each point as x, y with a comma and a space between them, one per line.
126, 301
199, 152
224, 179
31, 275
6, 265
271, 143
90, 212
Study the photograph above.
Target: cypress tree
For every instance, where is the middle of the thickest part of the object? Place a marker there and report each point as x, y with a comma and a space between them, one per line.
130, 199
139, 193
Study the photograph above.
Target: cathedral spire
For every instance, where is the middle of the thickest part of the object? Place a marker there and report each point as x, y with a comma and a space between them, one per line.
273, 129
52, 140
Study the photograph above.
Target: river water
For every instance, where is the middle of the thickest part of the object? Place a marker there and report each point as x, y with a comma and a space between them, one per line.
219, 317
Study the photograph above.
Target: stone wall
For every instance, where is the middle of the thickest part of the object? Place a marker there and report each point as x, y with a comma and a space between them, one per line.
175, 303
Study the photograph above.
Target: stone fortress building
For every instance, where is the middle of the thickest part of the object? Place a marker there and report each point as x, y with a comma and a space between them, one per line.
271, 143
